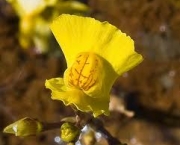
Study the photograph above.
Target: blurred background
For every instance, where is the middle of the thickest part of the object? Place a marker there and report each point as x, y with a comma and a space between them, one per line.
145, 102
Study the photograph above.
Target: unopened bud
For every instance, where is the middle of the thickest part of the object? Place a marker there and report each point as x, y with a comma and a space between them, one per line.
24, 127
89, 138
69, 132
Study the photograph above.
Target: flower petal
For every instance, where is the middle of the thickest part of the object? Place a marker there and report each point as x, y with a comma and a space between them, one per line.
25, 7
77, 34
78, 98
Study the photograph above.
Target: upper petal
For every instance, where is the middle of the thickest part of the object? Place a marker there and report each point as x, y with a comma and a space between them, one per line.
27, 7
77, 34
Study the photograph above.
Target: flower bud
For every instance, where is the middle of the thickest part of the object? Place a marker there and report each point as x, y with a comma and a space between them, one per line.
89, 138
69, 132
24, 127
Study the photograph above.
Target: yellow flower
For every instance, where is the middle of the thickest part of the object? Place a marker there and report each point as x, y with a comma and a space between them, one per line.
96, 54
35, 16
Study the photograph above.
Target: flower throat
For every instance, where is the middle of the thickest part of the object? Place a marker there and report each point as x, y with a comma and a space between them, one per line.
83, 74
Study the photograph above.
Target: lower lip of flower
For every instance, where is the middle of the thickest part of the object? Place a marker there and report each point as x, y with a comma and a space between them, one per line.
83, 74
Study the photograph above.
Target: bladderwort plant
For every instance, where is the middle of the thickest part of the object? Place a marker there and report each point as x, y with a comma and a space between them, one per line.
97, 53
